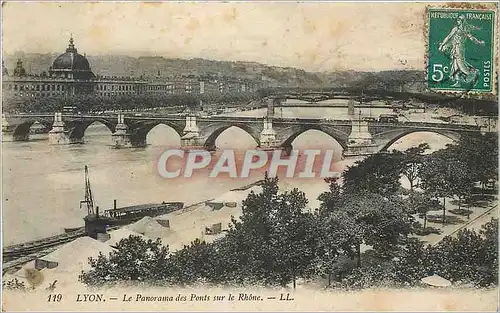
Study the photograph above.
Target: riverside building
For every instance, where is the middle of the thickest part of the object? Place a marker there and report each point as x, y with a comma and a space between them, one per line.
71, 74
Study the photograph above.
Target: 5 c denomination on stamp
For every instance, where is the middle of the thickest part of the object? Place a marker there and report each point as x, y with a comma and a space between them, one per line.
460, 50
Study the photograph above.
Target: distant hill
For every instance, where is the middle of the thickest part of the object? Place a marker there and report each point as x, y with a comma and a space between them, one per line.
149, 67
159, 67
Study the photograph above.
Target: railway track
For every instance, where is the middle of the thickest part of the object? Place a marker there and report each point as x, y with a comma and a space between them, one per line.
32, 248
20, 256
19, 250
15, 264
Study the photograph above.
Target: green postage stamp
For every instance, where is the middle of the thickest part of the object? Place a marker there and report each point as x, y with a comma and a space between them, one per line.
460, 52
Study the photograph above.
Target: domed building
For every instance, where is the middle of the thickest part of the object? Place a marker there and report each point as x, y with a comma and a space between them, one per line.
71, 65
19, 71
71, 75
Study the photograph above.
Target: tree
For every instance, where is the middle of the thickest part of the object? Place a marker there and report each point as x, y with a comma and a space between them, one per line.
421, 203
448, 172
470, 256
368, 205
293, 237
461, 181
339, 234
195, 262
365, 217
382, 220
434, 176
489, 232
480, 152
330, 200
378, 173
412, 159
135, 259
413, 264
273, 243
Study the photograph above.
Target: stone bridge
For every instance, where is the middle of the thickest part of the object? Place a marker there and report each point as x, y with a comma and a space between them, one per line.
357, 137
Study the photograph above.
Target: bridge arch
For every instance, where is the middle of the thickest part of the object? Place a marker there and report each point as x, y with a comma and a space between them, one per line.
387, 143
140, 130
147, 127
77, 128
22, 131
169, 127
286, 136
213, 131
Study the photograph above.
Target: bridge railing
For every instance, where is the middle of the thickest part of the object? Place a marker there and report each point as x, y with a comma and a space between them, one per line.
371, 124
440, 125
310, 120
405, 124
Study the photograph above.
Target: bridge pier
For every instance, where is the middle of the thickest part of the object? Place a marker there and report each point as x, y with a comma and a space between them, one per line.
191, 134
268, 135
360, 140
58, 135
121, 137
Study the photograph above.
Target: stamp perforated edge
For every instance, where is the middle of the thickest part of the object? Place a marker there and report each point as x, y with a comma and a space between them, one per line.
480, 95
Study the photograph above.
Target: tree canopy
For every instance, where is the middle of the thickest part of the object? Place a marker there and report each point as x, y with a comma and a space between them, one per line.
360, 233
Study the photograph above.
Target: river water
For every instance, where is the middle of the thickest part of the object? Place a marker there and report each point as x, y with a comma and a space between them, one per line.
43, 184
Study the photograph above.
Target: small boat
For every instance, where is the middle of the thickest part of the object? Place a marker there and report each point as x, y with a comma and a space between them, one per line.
114, 218
130, 214
124, 215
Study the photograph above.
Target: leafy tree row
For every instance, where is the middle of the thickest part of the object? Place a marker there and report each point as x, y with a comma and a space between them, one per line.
470, 258
446, 173
97, 103
456, 170
275, 242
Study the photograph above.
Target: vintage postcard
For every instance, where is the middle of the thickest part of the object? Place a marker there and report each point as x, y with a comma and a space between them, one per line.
249, 156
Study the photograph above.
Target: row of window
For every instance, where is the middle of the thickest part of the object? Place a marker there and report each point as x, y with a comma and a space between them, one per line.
109, 93
45, 87
40, 94
118, 87
33, 87
48, 94
52, 87
160, 87
40, 89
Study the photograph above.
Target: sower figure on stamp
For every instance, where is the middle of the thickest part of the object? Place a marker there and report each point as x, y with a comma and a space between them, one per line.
455, 44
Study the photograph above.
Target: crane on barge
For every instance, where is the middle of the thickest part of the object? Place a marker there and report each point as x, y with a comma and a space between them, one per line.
16, 255
89, 199
94, 224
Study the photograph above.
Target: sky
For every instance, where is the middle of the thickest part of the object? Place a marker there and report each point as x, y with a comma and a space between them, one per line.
311, 36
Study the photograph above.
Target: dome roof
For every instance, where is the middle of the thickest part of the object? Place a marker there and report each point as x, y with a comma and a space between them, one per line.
72, 61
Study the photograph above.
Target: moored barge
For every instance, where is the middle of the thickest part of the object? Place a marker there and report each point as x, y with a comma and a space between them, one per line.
110, 219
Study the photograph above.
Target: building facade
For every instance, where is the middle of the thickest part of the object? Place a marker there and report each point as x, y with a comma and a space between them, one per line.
71, 74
